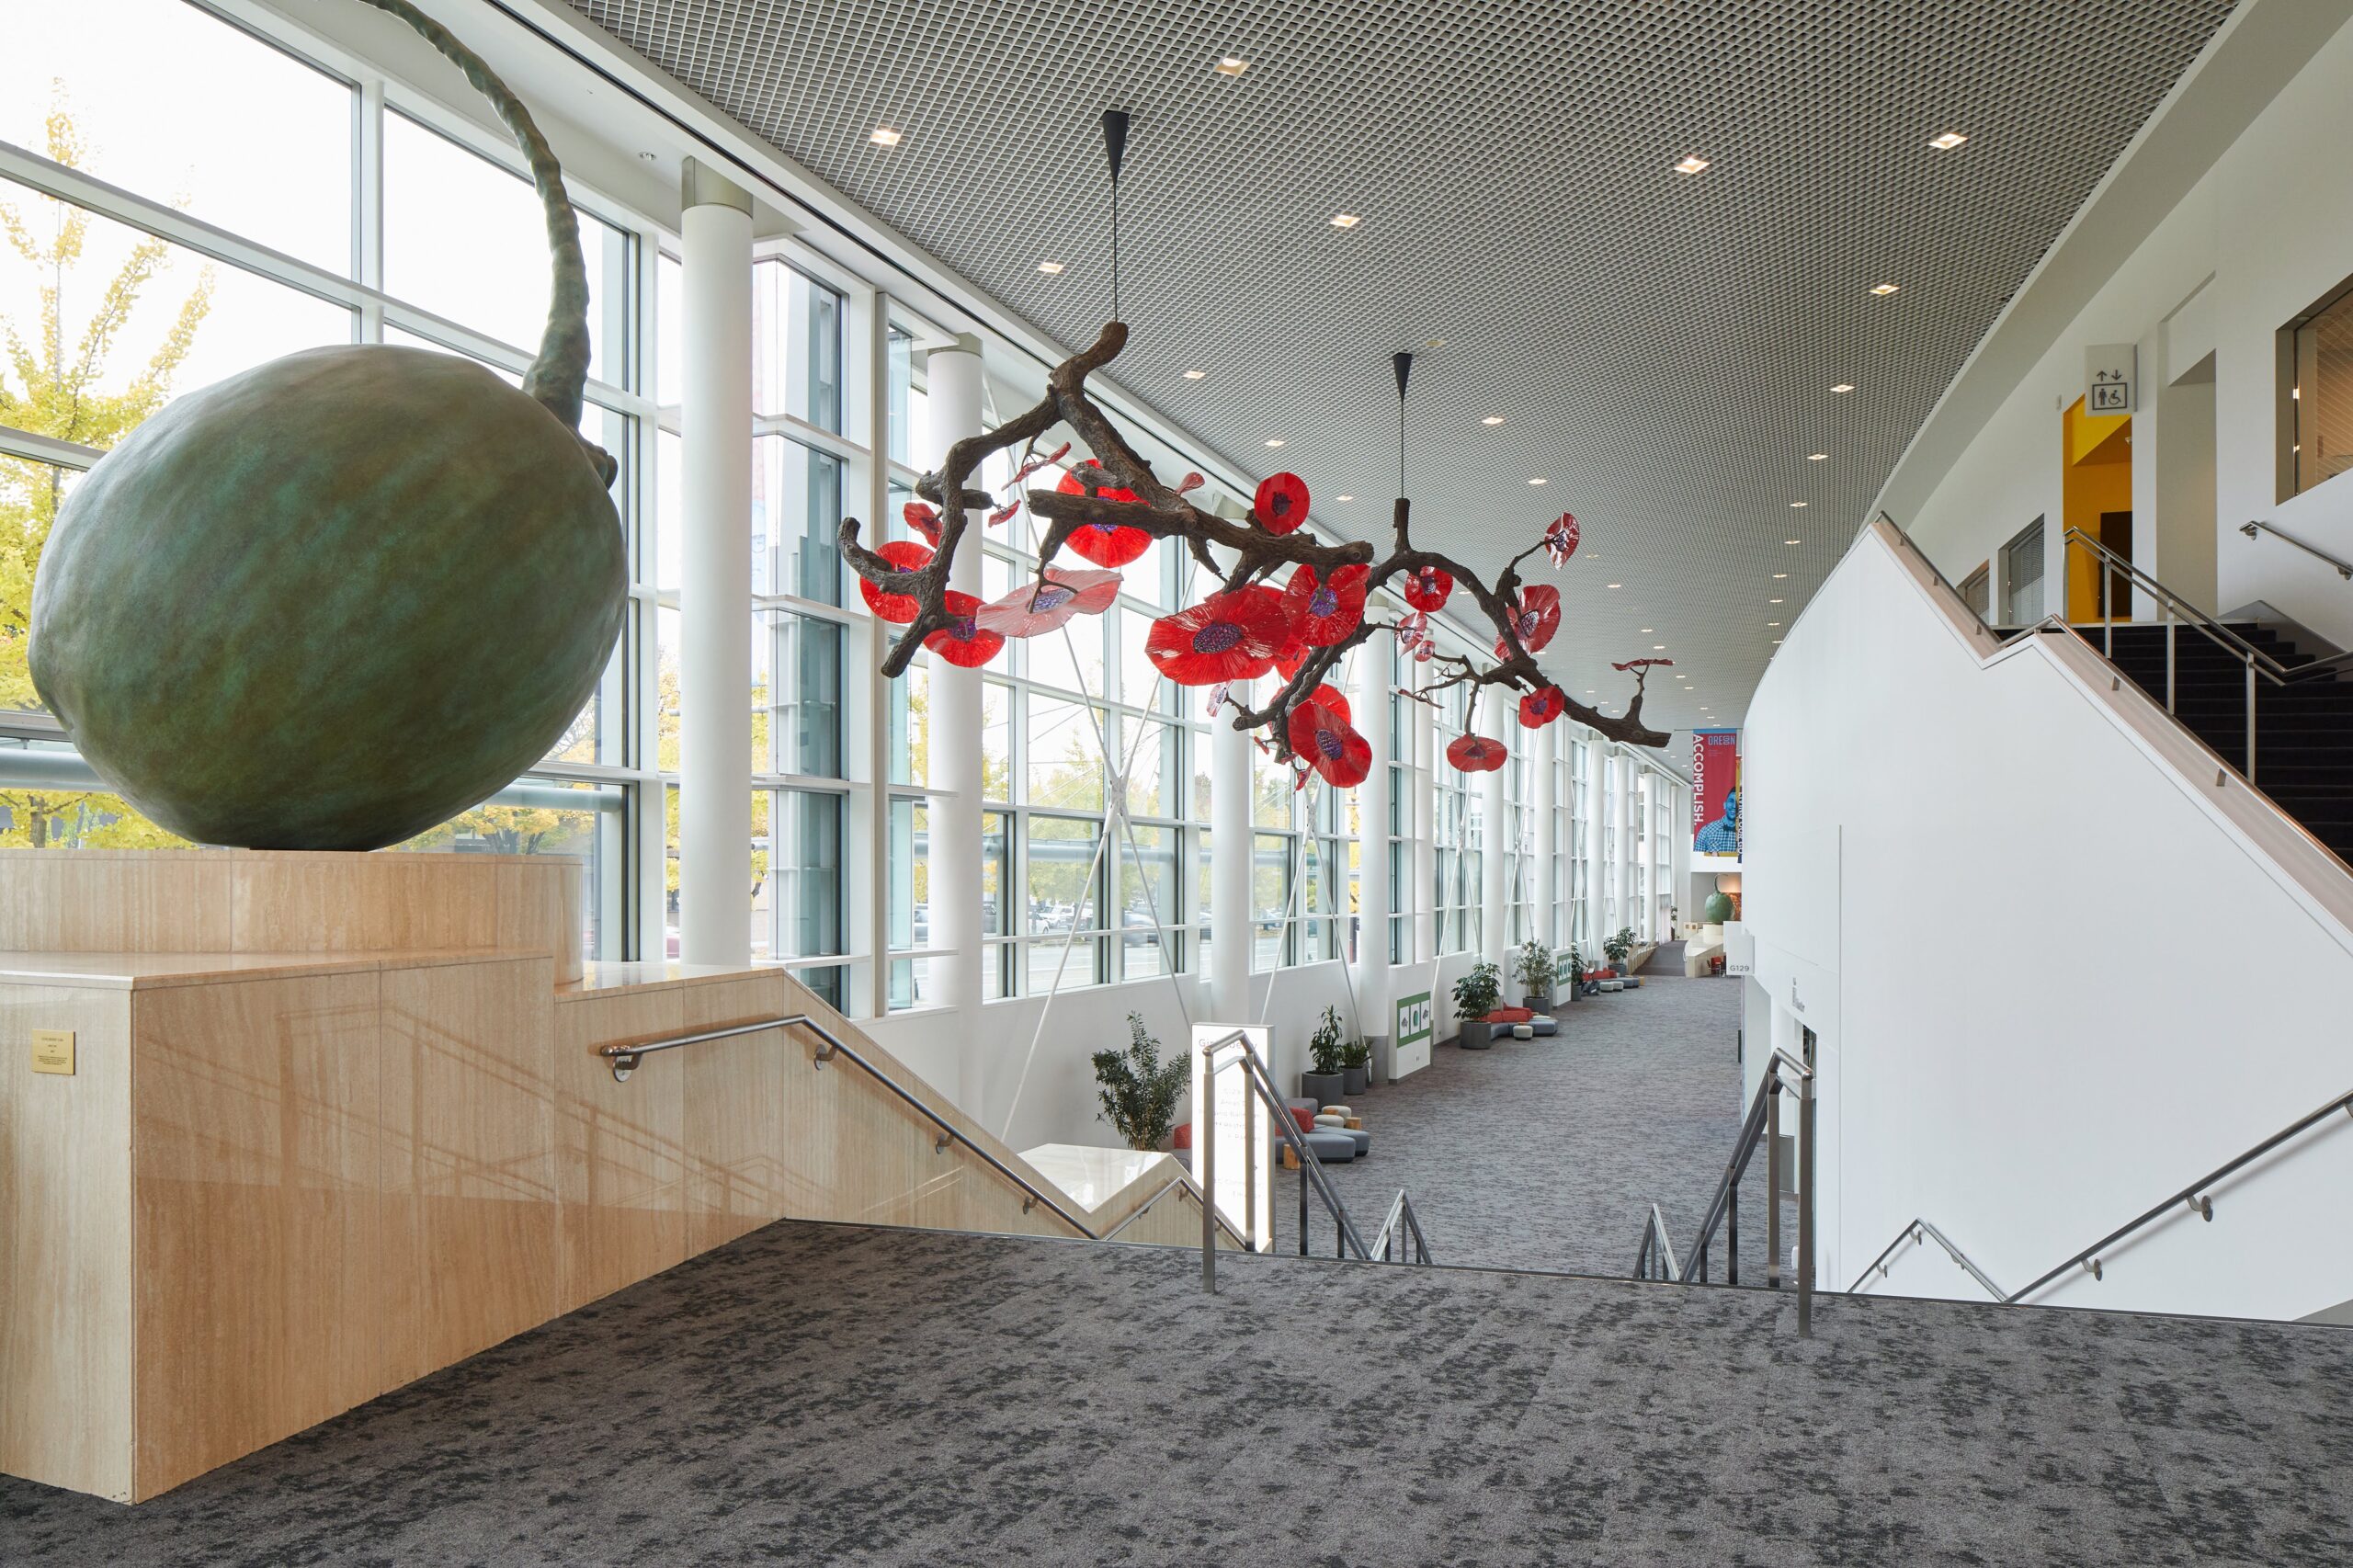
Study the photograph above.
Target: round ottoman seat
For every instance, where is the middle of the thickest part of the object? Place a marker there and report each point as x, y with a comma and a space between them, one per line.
1332, 1148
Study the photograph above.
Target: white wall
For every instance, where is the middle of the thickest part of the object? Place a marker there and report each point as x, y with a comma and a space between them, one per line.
2093, 992
2263, 234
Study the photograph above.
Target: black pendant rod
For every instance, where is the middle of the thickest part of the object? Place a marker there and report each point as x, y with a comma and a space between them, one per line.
1403, 363
1115, 150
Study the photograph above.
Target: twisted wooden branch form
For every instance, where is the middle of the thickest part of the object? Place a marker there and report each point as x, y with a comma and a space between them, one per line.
1163, 513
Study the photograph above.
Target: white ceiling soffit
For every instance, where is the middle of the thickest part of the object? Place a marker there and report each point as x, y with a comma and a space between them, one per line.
1660, 347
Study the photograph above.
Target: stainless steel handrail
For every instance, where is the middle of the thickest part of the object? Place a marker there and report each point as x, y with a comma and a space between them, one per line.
1310, 1168
1914, 1232
1656, 1249
2344, 569
2197, 620
1783, 1073
625, 1058
2197, 1196
1182, 1181
1400, 1208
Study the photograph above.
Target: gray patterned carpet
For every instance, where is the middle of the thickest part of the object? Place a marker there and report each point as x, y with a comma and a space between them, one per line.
823, 1394
1548, 1154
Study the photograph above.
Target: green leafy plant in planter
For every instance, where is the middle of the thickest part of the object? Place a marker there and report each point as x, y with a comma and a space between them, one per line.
1476, 995
1356, 1066
1325, 1081
1617, 947
1536, 971
1578, 963
1139, 1091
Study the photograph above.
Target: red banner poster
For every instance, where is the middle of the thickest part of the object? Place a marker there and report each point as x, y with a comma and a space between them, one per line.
1715, 793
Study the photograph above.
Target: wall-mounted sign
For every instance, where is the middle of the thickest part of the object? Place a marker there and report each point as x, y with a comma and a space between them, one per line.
1715, 793
53, 1050
2109, 377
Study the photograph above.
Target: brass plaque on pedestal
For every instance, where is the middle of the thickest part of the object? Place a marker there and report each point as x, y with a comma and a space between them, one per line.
53, 1050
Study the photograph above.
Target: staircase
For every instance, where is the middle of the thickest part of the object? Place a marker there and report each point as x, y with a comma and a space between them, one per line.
2303, 730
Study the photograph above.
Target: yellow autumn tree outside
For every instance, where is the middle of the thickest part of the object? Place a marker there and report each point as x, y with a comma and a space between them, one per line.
56, 383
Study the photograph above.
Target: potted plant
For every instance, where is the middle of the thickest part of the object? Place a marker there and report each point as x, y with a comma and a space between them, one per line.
1356, 1066
1476, 995
1139, 1091
1617, 947
1577, 982
1536, 972
1324, 1083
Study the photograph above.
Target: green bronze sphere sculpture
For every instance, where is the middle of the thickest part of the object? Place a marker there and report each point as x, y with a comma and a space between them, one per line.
338, 598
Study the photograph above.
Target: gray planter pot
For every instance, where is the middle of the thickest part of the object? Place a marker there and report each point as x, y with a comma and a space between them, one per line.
1476, 1036
1323, 1088
1355, 1081
1538, 1000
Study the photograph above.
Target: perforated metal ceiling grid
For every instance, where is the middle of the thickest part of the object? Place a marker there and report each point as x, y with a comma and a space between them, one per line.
1661, 348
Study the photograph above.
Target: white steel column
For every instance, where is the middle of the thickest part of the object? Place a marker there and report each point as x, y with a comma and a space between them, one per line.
715, 588
1542, 870
955, 750
1628, 804
1426, 762
1373, 893
1235, 921
1495, 849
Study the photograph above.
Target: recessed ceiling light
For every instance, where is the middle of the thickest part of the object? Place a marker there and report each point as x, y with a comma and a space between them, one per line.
1817, 456
1274, 440
1779, 575
1777, 642
1230, 65
1948, 141
1790, 542
1589, 691
1886, 288
1844, 387
1493, 419
1535, 481
1690, 165
1344, 219
1195, 375
1613, 584
1772, 623
1772, 601
1050, 267
883, 136
1797, 504
1646, 630
1343, 498
1658, 647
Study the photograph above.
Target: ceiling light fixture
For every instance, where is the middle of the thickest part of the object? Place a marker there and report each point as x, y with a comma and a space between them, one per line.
1195, 375
1844, 387
1050, 267
1646, 630
1658, 647
883, 136
1772, 601
1274, 440
1789, 542
1797, 503
1344, 219
1231, 65
1948, 141
1690, 165
1886, 288
1817, 456
1343, 498
1613, 584
1493, 419
1535, 481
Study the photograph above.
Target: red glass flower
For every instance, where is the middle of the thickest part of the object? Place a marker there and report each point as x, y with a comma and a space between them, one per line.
1106, 544
907, 558
924, 519
963, 641
1294, 654
1339, 756
1281, 504
1325, 610
1560, 539
1475, 754
1327, 696
1426, 588
1226, 637
1536, 619
1539, 709
1413, 630
1034, 608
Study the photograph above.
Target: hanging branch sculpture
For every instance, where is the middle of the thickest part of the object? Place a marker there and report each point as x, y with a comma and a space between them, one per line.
1109, 508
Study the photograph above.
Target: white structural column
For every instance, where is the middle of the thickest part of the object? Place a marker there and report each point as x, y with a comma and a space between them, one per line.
715, 585
1494, 850
1230, 849
1543, 863
1373, 892
1594, 827
1628, 804
954, 814
1425, 766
